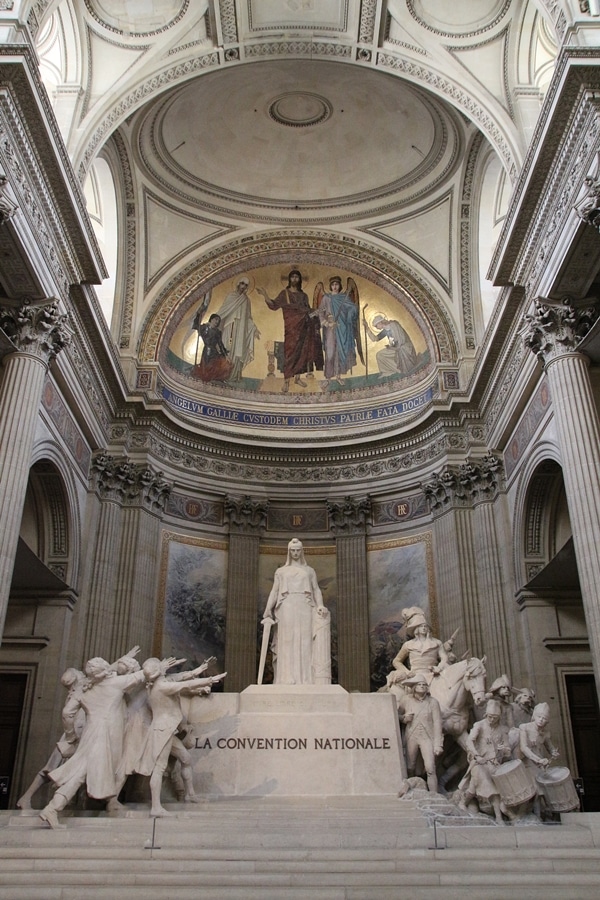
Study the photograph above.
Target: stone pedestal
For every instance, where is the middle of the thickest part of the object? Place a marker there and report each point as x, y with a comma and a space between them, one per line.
305, 740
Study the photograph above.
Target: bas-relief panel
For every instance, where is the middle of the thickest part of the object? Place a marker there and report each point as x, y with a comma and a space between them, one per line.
323, 561
400, 574
193, 594
327, 348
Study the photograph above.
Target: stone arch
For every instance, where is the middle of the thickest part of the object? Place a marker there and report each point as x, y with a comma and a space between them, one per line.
52, 498
541, 514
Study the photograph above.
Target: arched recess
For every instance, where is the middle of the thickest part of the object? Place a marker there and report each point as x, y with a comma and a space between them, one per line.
36, 641
546, 529
552, 619
45, 526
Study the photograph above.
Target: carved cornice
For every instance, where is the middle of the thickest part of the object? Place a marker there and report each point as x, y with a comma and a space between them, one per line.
126, 483
49, 194
349, 516
464, 486
245, 515
39, 331
554, 330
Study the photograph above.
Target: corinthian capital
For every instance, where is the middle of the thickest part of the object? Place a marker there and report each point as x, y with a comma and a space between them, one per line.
128, 483
554, 329
349, 516
39, 331
471, 483
245, 515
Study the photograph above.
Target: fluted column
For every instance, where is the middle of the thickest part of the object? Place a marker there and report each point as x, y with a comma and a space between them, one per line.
484, 480
135, 589
455, 559
553, 335
247, 519
38, 333
110, 482
348, 522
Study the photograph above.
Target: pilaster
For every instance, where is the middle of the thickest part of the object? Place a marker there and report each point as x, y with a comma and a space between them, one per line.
247, 518
348, 522
124, 553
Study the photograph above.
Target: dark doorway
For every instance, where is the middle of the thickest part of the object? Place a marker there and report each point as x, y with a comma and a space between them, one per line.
585, 722
12, 697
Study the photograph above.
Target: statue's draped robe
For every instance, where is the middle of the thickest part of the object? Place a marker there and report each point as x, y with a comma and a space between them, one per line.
297, 594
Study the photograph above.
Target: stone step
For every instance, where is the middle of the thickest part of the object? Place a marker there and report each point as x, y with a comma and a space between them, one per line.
288, 850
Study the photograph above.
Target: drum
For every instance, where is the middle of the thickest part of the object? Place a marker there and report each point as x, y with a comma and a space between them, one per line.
558, 789
514, 783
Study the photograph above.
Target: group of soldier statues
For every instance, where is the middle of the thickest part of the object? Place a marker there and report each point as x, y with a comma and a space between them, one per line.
503, 734
120, 719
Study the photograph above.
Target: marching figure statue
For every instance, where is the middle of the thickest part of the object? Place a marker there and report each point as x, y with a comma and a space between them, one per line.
301, 644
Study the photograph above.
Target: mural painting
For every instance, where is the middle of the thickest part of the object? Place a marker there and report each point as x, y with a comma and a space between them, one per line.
308, 329
191, 620
323, 561
400, 574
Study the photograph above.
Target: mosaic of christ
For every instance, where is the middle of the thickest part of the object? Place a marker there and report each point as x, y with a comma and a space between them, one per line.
299, 329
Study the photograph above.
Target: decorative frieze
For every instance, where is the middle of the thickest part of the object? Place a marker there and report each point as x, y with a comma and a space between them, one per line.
125, 482
245, 515
553, 330
349, 516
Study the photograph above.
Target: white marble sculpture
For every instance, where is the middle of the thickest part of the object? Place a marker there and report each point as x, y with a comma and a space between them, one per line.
422, 717
488, 748
161, 739
72, 679
421, 651
299, 624
100, 747
536, 747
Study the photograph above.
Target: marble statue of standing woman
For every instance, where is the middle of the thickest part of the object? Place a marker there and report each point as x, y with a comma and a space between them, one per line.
301, 642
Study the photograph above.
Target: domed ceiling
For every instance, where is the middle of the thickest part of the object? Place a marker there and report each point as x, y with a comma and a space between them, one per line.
250, 138
310, 142
302, 137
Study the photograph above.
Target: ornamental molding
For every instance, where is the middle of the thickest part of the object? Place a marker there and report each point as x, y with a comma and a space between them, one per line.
137, 34
38, 178
125, 174
157, 83
349, 516
39, 331
289, 468
552, 331
246, 515
482, 29
459, 98
558, 159
368, 16
228, 17
127, 483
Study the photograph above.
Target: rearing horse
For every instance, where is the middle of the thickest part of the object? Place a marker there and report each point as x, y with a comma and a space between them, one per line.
457, 688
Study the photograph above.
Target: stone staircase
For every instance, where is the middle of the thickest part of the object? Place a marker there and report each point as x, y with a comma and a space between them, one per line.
277, 848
